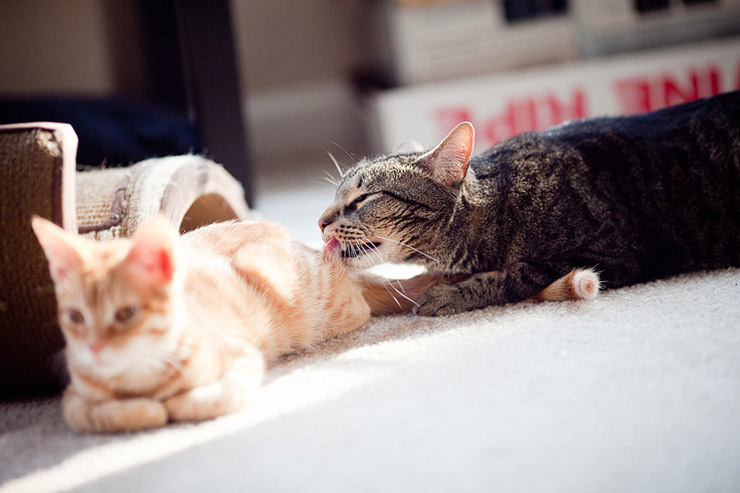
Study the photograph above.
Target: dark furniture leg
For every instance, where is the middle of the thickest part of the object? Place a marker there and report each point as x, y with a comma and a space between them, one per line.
193, 63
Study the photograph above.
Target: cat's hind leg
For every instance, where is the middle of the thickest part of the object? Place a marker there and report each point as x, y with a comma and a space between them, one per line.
517, 283
112, 415
226, 395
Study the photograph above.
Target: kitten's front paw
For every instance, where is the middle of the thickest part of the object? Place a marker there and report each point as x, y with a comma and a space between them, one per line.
113, 415
439, 301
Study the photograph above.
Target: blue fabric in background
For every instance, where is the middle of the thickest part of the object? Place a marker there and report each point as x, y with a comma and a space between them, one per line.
111, 132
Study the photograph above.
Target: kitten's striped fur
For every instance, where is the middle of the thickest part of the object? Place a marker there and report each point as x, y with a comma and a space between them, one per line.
164, 328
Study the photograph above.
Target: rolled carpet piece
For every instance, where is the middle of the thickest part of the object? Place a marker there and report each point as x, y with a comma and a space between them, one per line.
190, 191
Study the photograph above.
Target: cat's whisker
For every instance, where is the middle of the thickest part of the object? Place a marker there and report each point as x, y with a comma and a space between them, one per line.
340, 170
330, 178
400, 286
403, 294
407, 246
368, 246
385, 286
349, 154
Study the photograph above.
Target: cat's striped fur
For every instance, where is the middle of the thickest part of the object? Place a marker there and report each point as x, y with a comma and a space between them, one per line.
639, 197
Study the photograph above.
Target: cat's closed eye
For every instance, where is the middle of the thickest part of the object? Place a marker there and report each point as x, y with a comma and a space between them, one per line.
360, 200
354, 204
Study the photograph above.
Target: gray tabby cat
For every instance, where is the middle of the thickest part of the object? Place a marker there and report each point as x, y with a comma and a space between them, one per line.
639, 198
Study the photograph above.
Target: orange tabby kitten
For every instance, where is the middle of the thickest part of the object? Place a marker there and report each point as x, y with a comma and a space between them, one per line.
163, 327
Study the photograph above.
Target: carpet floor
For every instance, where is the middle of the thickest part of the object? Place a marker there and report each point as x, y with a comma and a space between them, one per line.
638, 390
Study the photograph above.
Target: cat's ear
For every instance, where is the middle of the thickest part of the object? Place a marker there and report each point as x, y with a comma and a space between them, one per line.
448, 162
151, 259
407, 147
60, 248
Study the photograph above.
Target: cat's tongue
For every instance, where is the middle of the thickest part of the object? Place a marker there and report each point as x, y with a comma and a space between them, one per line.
332, 248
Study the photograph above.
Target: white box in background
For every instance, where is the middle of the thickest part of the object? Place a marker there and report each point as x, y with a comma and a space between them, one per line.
612, 26
443, 39
506, 104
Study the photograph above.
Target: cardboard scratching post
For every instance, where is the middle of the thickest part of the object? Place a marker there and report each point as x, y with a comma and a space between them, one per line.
37, 176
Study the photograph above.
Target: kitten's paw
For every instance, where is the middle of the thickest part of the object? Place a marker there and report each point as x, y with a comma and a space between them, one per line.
439, 301
114, 415
201, 403
230, 394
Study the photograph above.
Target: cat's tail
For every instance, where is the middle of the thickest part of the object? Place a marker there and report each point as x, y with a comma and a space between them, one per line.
386, 296
578, 284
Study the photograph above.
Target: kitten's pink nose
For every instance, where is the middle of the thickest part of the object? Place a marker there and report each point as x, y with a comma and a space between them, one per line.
323, 223
96, 347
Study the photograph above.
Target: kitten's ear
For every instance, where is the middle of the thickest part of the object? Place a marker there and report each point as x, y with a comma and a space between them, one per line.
151, 258
60, 248
407, 147
448, 162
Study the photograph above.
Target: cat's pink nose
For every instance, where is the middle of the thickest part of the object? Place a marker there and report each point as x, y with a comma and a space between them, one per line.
323, 223
95, 347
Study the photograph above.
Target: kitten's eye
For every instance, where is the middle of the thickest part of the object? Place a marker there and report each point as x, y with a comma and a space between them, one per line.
75, 316
125, 314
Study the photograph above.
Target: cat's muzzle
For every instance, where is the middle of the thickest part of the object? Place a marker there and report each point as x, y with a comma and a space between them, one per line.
350, 250
354, 251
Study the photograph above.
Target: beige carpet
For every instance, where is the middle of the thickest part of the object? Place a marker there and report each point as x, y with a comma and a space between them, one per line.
637, 391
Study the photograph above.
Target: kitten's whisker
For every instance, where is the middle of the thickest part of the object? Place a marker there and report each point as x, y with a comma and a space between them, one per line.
407, 246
